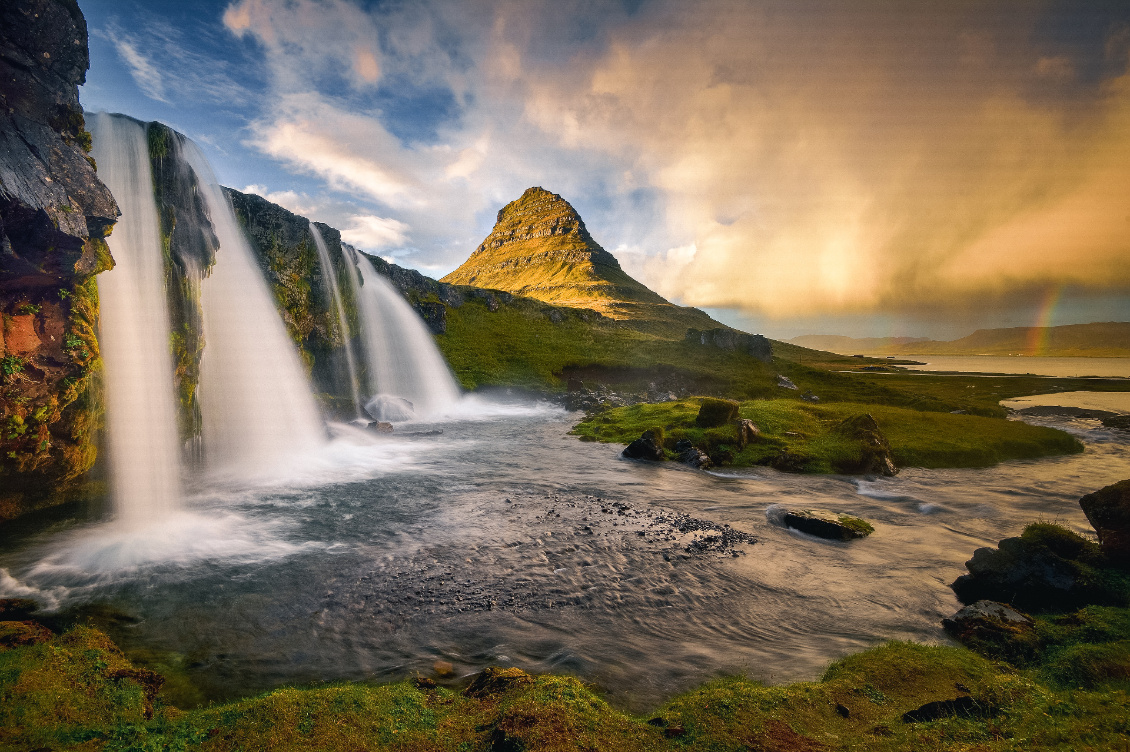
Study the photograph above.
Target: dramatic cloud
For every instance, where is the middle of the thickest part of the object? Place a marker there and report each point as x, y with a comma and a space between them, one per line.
786, 158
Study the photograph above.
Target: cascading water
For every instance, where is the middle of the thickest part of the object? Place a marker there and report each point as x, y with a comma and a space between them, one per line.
404, 362
330, 279
141, 412
257, 408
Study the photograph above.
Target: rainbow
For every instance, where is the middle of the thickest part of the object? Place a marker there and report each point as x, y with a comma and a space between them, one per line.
1038, 334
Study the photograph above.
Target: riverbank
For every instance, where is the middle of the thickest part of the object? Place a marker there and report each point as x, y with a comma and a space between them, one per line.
76, 690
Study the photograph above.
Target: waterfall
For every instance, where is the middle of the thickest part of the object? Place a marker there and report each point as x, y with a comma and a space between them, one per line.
402, 357
141, 423
257, 408
329, 278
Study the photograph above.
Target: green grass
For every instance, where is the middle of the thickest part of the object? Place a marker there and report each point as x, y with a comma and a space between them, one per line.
61, 695
805, 432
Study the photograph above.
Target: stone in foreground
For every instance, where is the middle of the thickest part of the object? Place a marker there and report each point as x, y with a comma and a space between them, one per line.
646, 447
825, 524
1108, 511
691, 455
994, 629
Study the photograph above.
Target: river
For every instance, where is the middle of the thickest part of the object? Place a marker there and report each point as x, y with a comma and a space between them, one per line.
504, 540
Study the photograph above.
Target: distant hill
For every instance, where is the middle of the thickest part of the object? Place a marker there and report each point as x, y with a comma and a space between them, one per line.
540, 248
1099, 340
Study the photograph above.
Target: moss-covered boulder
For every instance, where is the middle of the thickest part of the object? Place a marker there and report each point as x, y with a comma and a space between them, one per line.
874, 454
716, 412
1047, 569
1108, 511
825, 524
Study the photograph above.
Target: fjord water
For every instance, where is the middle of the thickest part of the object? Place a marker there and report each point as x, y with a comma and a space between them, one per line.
140, 407
258, 410
506, 541
329, 279
402, 358
1035, 365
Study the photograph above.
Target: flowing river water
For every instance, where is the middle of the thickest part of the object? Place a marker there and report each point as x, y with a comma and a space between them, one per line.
503, 540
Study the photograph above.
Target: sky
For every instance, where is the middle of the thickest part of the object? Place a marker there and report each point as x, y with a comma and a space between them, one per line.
867, 168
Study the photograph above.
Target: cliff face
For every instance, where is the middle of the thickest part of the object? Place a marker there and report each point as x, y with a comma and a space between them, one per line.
54, 214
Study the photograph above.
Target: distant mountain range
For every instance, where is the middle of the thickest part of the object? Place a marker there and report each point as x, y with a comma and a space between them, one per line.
1099, 340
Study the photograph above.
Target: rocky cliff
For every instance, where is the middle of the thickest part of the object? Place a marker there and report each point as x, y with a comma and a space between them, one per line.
54, 214
540, 248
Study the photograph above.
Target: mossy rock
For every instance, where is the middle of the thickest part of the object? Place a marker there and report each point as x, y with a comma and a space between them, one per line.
716, 412
825, 524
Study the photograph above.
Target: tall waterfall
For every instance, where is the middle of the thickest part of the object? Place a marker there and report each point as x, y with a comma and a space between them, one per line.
257, 407
144, 456
329, 276
402, 357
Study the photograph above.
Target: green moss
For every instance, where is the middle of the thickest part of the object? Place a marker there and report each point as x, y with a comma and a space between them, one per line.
805, 436
856, 524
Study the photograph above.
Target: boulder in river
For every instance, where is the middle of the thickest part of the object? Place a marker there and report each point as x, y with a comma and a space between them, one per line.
825, 524
1121, 422
691, 455
1108, 511
649, 446
994, 629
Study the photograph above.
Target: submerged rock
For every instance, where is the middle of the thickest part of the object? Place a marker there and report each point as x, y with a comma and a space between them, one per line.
691, 455
1121, 422
495, 681
994, 629
825, 524
1108, 511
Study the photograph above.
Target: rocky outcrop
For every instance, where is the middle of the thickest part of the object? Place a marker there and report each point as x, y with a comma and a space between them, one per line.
691, 455
648, 446
1108, 511
1047, 568
994, 629
54, 216
874, 456
730, 339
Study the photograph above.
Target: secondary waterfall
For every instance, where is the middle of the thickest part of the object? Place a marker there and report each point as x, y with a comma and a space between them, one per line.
402, 357
257, 407
329, 277
144, 456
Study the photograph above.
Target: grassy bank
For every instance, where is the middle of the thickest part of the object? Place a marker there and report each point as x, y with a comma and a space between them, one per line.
806, 434
76, 691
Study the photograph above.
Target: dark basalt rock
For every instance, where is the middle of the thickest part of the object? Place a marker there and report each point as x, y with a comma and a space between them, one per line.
959, 706
825, 524
1108, 511
691, 455
648, 446
434, 315
54, 216
994, 629
1121, 422
1047, 568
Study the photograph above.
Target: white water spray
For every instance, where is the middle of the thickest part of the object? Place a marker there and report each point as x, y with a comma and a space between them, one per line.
330, 278
402, 357
257, 408
144, 457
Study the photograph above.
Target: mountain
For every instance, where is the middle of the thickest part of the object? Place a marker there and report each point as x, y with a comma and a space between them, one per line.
540, 248
1109, 339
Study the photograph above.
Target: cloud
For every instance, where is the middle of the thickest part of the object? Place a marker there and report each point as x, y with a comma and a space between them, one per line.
367, 231
785, 158
141, 68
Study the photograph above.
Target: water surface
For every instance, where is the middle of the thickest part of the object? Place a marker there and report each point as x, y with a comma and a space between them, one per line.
505, 541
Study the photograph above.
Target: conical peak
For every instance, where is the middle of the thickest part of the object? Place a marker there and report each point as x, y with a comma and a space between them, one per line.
538, 213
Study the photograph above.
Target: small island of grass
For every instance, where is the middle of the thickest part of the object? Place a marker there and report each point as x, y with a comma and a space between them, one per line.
805, 437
